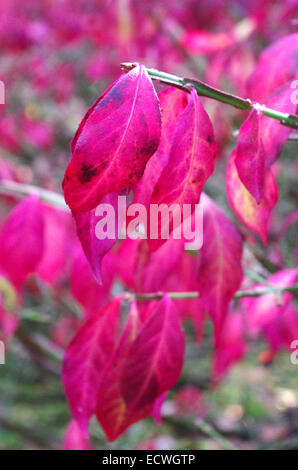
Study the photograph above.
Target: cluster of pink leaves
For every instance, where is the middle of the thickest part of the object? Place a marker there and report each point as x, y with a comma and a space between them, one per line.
251, 186
161, 148
164, 158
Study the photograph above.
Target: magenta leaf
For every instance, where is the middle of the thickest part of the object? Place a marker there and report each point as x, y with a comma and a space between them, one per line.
146, 363
274, 135
22, 240
85, 359
116, 138
250, 155
73, 438
231, 347
281, 332
253, 215
94, 247
220, 272
155, 359
264, 310
191, 159
156, 412
172, 103
111, 410
277, 65
56, 237
83, 284
153, 269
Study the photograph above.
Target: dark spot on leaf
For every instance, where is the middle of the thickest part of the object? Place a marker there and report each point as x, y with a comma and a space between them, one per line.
210, 139
87, 173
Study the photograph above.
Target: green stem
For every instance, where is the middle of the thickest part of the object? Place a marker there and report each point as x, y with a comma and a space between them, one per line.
215, 435
194, 294
203, 89
23, 190
159, 295
269, 290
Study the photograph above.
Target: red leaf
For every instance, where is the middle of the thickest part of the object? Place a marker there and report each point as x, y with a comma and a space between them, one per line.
156, 412
155, 359
22, 240
85, 359
128, 250
86, 222
231, 347
250, 155
191, 159
263, 310
274, 135
172, 103
254, 216
277, 65
116, 138
111, 410
84, 287
153, 269
220, 272
143, 367
74, 439
56, 235
281, 332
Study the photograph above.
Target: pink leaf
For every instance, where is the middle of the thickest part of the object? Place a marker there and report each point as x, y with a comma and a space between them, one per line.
85, 359
155, 359
254, 216
277, 65
116, 138
191, 159
156, 412
172, 103
220, 272
263, 310
154, 268
274, 135
130, 251
94, 247
22, 240
74, 439
56, 234
145, 364
231, 347
84, 287
281, 332
111, 410
250, 155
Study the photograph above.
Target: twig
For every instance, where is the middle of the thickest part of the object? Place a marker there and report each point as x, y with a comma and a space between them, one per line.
215, 435
289, 120
130, 297
23, 190
158, 295
197, 428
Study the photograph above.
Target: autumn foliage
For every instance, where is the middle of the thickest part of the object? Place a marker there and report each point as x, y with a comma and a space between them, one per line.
151, 142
